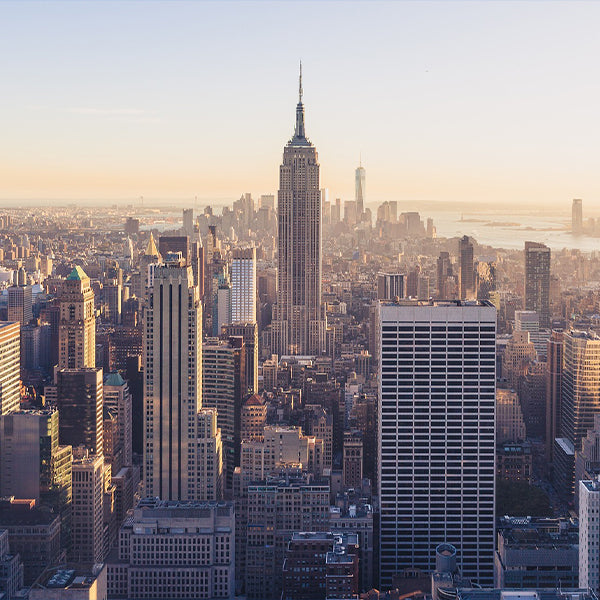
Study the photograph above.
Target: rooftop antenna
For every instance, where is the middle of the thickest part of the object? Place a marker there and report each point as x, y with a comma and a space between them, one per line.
300, 85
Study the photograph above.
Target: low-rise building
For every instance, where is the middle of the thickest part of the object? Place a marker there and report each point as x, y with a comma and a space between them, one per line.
514, 461
320, 565
11, 569
71, 582
171, 549
536, 553
33, 533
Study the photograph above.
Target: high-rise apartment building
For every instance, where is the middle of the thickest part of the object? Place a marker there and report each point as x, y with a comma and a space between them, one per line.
352, 463
10, 374
466, 273
20, 303
359, 190
79, 398
577, 217
299, 322
77, 326
243, 285
436, 436
537, 281
88, 543
253, 419
172, 383
589, 557
224, 385
320, 565
277, 507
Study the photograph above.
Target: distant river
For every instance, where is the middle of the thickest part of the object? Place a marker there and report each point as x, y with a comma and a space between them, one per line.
511, 230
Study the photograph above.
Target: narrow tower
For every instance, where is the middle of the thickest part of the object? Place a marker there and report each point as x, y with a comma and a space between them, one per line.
299, 319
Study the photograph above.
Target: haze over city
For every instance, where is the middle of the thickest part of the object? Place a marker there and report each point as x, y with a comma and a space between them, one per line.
487, 102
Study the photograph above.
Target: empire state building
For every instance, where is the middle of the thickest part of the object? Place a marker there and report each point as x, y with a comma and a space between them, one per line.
299, 322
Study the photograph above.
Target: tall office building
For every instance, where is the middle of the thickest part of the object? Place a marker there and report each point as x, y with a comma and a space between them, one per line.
390, 285
577, 217
436, 436
537, 281
20, 303
10, 374
32, 464
117, 399
445, 277
248, 331
224, 385
80, 402
359, 190
580, 393
243, 285
466, 273
553, 391
210, 456
172, 383
188, 221
589, 558
88, 538
299, 322
580, 384
77, 326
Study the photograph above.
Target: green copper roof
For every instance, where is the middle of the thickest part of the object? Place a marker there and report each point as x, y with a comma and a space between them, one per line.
77, 274
114, 379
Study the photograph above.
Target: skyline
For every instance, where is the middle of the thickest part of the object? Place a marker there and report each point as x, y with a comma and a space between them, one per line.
449, 102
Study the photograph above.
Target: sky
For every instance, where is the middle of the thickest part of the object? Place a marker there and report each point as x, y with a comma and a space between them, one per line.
492, 102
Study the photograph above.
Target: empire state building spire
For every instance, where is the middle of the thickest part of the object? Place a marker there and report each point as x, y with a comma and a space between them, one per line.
299, 133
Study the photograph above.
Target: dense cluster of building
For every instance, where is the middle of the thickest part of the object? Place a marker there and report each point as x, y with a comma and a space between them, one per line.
294, 400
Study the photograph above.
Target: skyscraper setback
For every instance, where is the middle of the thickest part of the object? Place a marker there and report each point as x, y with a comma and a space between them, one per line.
299, 319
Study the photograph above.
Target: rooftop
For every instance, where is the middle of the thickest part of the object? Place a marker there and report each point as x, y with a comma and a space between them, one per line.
68, 577
77, 274
521, 594
114, 380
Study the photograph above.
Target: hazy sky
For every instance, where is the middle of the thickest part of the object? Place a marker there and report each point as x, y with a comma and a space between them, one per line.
498, 102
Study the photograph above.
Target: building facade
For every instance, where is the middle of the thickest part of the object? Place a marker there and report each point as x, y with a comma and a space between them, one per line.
243, 285
436, 436
172, 383
537, 281
175, 550
77, 325
10, 373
